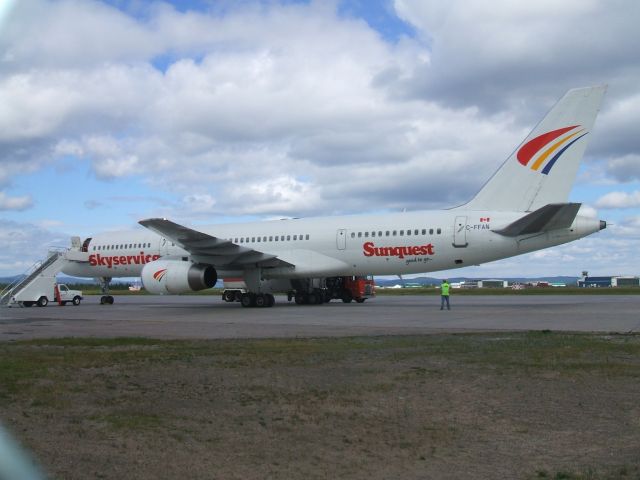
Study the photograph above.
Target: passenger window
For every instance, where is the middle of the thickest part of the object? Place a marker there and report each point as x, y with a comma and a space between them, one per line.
258, 239
353, 234
379, 234
288, 237
402, 233
295, 237
395, 233
253, 239
359, 234
439, 231
387, 233
431, 231
424, 231
307, 237
373, 234
366, 234
408, 232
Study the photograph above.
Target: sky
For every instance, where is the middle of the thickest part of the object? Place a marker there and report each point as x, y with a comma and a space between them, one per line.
218, 111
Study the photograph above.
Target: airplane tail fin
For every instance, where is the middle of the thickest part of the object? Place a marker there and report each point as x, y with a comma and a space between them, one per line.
543, 168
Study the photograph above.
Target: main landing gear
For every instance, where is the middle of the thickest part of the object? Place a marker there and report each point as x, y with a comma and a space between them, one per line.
105, 299
260, 300
316, 296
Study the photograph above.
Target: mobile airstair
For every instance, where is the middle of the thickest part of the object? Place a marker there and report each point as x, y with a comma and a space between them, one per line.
39, 276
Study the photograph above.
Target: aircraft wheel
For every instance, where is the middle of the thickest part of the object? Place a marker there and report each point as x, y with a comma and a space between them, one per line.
346, 296
110, 300
103, 300
313, 298
43, 301
299, 298
247, 300
271, 300
27, 304
261, 301
76, 301
360, 300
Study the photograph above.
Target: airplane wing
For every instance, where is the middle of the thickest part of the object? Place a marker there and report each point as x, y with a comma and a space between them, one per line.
550, 217
212, 250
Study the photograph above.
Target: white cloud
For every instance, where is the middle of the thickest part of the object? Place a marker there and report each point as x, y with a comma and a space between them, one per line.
23, 244
199, 203
290, 109
495, 56
15, 203
626, 168
619, 200
588, 211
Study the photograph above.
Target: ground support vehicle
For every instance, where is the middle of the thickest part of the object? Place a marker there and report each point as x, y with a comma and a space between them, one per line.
318, 291
44, 290
39, 285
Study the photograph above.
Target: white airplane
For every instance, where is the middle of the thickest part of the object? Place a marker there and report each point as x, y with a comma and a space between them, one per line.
522, 208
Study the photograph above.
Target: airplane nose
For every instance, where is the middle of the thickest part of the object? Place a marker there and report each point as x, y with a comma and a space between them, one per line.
603, 224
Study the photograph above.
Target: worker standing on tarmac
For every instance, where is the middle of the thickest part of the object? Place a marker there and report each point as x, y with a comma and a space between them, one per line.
444, 295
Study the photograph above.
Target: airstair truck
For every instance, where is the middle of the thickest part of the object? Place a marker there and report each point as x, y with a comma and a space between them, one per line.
45, 290
39, 286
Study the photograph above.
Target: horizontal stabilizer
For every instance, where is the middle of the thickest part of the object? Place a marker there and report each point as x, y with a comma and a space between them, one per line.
550, 217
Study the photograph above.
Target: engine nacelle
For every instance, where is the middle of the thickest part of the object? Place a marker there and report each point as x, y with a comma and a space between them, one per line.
175, 276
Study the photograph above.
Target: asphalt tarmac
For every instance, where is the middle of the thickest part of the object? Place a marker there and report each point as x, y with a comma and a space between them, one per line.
186, 317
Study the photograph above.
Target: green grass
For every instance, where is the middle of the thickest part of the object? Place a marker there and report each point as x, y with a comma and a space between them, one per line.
400, 392
25, 365
612, 473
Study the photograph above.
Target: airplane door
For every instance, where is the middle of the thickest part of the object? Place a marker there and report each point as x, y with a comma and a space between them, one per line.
341, 239
164, 246
460, 232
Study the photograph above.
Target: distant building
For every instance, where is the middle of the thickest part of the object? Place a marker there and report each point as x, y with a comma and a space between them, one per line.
619, 281
493, 283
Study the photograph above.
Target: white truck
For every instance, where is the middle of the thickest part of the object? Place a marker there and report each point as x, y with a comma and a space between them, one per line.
45, 290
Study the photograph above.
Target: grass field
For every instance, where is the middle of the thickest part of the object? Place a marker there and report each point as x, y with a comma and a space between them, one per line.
507, 405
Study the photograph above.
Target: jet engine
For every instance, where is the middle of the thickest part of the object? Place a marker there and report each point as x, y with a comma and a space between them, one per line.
175, 276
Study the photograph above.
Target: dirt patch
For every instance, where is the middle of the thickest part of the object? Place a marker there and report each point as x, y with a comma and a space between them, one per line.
443, 406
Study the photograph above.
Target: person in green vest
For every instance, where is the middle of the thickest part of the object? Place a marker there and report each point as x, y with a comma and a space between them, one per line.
444, 294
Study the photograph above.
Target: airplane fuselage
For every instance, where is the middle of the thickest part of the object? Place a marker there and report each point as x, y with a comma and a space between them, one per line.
387, 244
